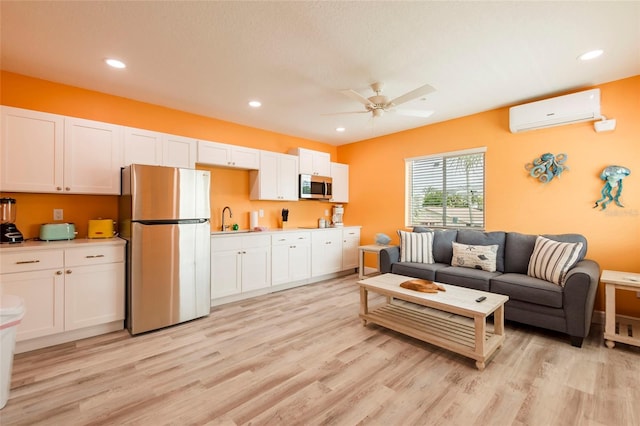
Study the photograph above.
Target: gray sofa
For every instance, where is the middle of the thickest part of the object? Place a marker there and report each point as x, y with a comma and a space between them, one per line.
567, 309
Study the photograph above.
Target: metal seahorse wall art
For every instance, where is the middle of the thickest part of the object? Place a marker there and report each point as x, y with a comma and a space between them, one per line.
547, 166
612, 177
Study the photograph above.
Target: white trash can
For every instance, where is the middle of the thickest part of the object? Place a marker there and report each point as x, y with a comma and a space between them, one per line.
11, 313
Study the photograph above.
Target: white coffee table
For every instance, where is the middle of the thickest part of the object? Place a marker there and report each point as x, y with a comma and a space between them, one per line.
455, 321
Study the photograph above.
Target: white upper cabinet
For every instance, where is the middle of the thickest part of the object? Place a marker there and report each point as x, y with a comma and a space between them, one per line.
51, 153
220, 154
32, 151
277, 178
340, 183
142, 147
92, 157
178, 151
159, 149
313, 162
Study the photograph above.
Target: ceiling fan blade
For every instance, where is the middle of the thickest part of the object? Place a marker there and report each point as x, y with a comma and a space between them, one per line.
424, 113
356, 97
409, 96
347, 112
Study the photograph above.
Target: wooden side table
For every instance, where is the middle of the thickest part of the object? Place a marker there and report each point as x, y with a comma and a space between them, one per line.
371, 248
628, 328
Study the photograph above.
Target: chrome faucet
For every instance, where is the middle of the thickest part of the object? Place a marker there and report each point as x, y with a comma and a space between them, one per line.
225, 227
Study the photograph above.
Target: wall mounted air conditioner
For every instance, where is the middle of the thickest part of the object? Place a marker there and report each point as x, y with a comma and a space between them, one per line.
567, 109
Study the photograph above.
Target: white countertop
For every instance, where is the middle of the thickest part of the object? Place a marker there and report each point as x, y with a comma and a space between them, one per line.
62, 244
277, 230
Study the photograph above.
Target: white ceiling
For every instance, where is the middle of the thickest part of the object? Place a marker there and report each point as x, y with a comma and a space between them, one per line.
211, 58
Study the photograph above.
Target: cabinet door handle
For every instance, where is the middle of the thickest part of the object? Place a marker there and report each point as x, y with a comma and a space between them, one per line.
58, 272
22, 262
58, 188
68, 271
91, 256
67, 189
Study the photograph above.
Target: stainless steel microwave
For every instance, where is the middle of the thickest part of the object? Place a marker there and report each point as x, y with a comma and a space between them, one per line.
315, 187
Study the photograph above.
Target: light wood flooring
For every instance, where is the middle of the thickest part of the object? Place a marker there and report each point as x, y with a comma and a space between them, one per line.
302, 357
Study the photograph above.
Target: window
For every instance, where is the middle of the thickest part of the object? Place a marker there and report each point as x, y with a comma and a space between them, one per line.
446, 190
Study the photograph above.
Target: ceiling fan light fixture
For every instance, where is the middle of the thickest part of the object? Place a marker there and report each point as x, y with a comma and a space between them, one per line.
377, 112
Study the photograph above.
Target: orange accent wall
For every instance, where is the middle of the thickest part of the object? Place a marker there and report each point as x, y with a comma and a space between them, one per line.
229, 187
514, 200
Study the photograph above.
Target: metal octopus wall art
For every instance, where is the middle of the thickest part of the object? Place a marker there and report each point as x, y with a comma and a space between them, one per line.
547, 166
612, 176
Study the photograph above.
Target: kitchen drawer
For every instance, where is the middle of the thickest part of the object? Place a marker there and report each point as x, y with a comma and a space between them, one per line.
93, 255
239, 241
290, 238
256, 241
35, 260
351, 232
226, 243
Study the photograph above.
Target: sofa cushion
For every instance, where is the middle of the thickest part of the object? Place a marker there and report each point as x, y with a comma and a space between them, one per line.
465, 277
551, 260
477, 257
416, 247
479, 238
518, 249
527, 289
442, 249
426, 271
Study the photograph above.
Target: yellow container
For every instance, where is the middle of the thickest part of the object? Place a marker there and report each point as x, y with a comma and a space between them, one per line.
101, 228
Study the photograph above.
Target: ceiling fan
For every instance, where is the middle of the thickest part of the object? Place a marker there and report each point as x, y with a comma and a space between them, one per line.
378, 104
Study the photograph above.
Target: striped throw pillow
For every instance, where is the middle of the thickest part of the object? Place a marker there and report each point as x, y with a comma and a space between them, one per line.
416, 246
551, 260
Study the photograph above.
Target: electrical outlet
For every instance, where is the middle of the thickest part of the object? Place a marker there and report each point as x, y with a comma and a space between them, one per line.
58, 214
261, 213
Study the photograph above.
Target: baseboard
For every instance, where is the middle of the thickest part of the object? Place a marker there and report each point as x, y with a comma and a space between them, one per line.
67, 336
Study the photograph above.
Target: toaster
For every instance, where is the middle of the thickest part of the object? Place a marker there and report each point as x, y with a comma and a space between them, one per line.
57, 231
101, 228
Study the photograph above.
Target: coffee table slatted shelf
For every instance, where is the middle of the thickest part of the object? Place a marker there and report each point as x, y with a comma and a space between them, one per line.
447, 320
428, 327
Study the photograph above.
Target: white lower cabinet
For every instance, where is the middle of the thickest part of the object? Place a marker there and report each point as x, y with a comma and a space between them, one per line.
65, 289
244, 265
290, 257
350, 244
239, 263
43, 295
93, 295
326, 246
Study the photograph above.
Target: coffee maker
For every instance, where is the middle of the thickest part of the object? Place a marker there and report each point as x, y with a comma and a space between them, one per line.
8, 231
338, 212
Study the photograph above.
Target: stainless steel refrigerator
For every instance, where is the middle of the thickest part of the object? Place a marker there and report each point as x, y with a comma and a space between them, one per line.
164, 216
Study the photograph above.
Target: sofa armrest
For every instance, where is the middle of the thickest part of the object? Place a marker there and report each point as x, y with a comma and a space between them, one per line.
388, 256
580, 290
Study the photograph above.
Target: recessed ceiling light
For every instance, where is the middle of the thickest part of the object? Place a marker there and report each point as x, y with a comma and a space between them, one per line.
340, 129
591, 55
255, 104
115, 63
